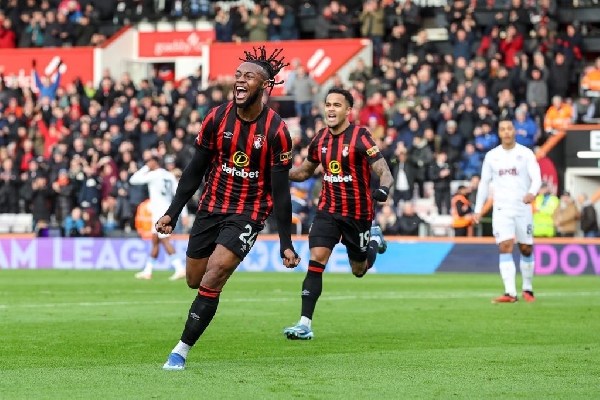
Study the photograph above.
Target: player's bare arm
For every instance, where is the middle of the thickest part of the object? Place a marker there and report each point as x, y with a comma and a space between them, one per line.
303, 172
381, 168
386, 180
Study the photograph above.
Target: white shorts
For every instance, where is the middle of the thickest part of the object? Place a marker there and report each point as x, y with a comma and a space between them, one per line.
511, 224
156, 215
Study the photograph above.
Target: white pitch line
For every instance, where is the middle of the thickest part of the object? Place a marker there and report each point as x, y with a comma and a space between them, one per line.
366, 296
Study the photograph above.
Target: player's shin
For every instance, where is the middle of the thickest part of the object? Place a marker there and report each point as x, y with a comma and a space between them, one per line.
311, 291
508, 271
202, 311
527, 268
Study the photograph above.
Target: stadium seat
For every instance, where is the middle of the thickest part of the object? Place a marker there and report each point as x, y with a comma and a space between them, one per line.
6, 222
441, 225
22, 223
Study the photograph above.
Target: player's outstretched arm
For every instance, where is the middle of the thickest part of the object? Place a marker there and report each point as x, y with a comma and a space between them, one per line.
386, 180
303, 172
191, 178
282, 200
141, 176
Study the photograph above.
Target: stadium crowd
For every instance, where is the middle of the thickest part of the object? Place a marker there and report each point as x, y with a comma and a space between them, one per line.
68, 148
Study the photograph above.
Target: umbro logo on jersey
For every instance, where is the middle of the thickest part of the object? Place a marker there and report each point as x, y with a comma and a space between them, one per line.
227, 135
323, 150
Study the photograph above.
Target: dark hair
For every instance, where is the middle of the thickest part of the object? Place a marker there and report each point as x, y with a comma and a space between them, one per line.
343, 92
270, 64
505, 118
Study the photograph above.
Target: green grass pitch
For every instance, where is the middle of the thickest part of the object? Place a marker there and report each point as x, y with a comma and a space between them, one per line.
104, 335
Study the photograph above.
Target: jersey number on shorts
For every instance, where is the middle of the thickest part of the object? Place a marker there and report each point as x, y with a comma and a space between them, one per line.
364, 238
529, 229
167, 188
249, 236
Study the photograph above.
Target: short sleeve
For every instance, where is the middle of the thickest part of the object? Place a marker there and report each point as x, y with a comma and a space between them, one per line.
206, 137
367, 146
281, 149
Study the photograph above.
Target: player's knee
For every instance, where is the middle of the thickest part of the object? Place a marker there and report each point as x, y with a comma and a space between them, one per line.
193, 282
217, 274
358, 267
320, 255
526, 250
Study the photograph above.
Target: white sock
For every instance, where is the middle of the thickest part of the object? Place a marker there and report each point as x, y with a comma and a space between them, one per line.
508, 270
149, 265
176, 262
182, 349
305, 321
527, 268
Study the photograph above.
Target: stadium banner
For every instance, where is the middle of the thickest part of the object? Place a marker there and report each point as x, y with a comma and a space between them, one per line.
402, 256
77, 62
582, 146
171, 44
322, 58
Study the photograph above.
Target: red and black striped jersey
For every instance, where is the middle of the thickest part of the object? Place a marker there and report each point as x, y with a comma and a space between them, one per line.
244, 154
346, 160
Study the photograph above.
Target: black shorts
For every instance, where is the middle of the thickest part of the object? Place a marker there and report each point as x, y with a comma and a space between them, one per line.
235, 232
326, 231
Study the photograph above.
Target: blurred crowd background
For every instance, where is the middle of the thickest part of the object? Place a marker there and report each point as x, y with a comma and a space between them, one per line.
67, 151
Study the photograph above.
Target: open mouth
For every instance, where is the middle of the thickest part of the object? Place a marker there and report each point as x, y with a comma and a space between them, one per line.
240, 93
331, 118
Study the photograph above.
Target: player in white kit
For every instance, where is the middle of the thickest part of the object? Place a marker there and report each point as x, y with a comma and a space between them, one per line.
515, 173
161, 189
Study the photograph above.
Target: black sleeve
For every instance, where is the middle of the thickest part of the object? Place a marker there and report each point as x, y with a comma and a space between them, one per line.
191, 178
282, 200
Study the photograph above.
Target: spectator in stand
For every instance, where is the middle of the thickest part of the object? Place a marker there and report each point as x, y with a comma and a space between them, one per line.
404, 175
537, 92
470, 164
559, 116
387, 220
560, 76
589, 218
420, 156
8, 37
590, 81
440, 172
74, 223
566, 216
409, 222
585, 111
511, 45
525, 128
257, 25
372, 21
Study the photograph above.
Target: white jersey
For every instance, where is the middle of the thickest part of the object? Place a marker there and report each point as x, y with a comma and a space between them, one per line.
161, 186
514, 173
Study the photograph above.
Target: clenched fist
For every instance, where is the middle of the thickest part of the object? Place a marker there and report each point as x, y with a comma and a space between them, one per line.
163, 225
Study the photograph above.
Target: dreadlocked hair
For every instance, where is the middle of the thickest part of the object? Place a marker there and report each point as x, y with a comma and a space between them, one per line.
272, 64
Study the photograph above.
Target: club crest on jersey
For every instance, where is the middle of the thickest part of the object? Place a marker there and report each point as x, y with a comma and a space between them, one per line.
346, 150
227, 135
258, 141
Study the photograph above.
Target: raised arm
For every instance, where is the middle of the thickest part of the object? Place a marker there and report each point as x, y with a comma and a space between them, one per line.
303, 172
141, 176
